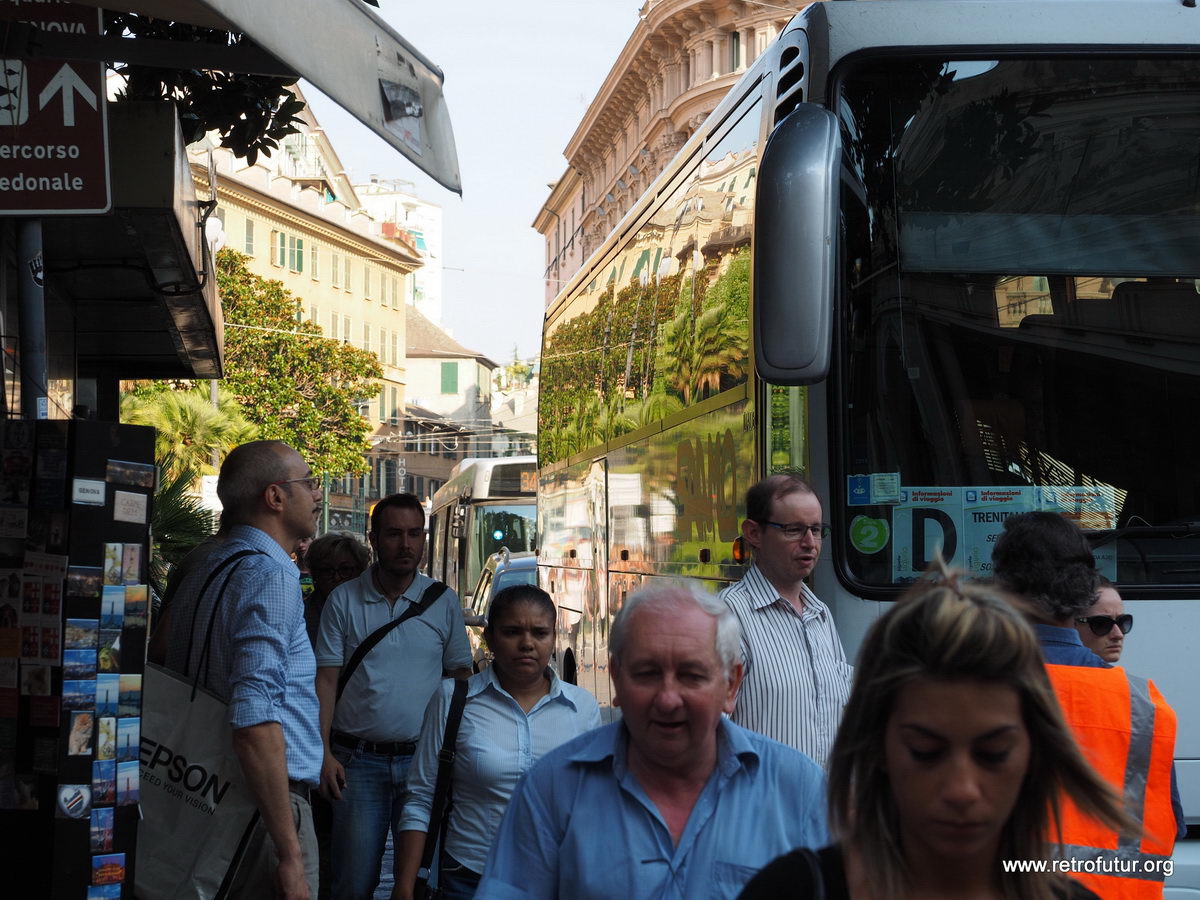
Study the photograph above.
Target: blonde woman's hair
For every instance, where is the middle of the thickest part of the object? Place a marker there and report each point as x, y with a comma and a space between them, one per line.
947, 629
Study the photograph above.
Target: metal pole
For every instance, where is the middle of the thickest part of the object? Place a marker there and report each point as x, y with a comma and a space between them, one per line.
324, 504
216, 456
35, 403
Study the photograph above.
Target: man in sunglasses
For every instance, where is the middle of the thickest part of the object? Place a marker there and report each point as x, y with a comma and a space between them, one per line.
1104, 627
797, 678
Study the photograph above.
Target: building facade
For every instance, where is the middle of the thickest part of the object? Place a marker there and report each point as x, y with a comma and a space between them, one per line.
680, 60
299, 220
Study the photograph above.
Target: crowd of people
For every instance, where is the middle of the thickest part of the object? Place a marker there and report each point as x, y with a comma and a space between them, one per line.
985, 745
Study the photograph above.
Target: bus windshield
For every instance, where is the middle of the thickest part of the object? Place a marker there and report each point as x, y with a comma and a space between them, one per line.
511, 525
1022, 310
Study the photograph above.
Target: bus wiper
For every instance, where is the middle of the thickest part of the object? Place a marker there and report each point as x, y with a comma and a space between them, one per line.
1173, 530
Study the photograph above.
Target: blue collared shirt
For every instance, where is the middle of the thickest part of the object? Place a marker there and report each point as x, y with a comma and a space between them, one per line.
497, 743
1062, 647
386, 697
260, 660
580, 825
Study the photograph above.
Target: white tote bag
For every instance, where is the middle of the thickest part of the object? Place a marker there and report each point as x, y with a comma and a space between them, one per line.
197, 811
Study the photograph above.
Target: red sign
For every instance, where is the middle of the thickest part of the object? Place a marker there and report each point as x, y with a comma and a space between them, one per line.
53, 127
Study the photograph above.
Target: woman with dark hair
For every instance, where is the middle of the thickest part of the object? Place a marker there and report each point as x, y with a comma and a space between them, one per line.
333, 559
950, 759
517, 710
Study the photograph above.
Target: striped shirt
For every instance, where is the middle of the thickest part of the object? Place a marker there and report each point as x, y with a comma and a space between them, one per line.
261, 662
797, 678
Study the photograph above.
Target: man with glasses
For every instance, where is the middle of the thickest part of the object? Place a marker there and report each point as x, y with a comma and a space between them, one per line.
797, 678
260, 660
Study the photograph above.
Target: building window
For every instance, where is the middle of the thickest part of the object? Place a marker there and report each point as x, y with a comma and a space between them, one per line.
367, 294
336, 272
346, 275
346, 326
314, 263
396, 361
395, 415
312, 315
366, 337
249, 243
735, 51
276, 239
450, 378
295, 253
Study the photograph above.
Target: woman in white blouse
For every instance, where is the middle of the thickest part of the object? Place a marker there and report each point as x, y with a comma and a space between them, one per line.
516, 711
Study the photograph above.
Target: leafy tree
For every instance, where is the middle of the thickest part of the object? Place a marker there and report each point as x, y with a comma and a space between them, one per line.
292, 382
189, 428
252, 113
178, 522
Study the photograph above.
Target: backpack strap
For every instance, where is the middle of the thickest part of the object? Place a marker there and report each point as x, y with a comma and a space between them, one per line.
439, 811
428, 598
234, 559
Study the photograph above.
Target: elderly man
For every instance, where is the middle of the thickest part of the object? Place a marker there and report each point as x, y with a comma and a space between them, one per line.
673, 800
797, 677
260, 659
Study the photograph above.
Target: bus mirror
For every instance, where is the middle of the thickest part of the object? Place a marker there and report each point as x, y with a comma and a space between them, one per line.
458, 522
795, 247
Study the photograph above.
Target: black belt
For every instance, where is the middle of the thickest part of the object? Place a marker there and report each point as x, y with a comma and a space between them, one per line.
382, 748
301, 789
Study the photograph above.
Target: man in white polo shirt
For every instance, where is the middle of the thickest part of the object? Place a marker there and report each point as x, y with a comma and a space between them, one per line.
797, 678
371, 731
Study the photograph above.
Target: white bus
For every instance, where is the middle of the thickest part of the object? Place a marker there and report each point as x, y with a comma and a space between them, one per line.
940, 257
485, 505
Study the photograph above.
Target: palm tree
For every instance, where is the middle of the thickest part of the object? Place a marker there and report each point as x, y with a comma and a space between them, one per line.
189, 427
178, 523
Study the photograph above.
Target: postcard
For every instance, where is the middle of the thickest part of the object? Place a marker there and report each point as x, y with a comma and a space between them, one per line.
113, 554
102, 830
112, 606
14, 522
49, 565
31, 595
74, 801
8, 673
131, 563
137, 604
128, 778
104, 892
52, 644
87, 491
51, 597
108, 869
130, 697
79, 738
31, 643
128, 738
79, 664
45, 755
130, 507
79, 694
110, 650
106, 740
104, 781
84, 581
139, 474
35, 681
108, 692
81, 633
10, 584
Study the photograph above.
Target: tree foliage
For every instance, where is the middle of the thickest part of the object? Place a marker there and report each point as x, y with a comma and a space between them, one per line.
178, 522
292, 382
252, 113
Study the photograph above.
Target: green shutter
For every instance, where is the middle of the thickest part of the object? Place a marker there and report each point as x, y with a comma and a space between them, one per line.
450, 378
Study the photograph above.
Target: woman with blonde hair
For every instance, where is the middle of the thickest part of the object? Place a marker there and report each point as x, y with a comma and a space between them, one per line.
946, 773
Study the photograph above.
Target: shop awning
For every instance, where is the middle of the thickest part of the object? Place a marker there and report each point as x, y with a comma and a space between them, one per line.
342, 47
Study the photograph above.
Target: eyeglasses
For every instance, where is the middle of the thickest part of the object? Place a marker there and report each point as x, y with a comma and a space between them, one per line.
309, 481
1102, 625
344, 572
795, 532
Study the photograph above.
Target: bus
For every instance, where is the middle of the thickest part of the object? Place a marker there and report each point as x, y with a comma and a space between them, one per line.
485, 505
940, 258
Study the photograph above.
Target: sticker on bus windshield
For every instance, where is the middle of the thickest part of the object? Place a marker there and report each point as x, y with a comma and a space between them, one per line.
1092, 507
927, 520
876, 489
984, 512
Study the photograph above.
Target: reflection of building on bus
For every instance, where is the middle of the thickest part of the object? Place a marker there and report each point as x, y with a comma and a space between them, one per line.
487, 504
975, 293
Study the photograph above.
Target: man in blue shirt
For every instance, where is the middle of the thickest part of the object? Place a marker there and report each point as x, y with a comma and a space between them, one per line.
260, 659
674, 801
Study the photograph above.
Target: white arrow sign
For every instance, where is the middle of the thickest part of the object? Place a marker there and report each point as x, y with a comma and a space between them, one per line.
69, 83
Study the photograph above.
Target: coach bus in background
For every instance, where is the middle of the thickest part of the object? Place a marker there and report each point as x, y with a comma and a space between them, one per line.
939, 258
485, 505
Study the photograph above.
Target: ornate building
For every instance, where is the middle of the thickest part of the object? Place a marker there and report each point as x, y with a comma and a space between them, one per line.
679, 62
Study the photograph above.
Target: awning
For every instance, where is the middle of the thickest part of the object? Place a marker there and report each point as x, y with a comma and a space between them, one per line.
350, 53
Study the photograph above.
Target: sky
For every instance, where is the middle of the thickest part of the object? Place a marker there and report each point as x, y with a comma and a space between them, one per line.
519, 77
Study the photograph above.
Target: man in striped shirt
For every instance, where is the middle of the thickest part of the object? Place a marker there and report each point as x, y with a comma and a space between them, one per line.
797, 678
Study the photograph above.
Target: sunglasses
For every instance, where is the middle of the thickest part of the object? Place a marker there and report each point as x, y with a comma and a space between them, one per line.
1102, 625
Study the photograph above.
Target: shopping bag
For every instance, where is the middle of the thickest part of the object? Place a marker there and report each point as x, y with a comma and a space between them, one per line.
197, 811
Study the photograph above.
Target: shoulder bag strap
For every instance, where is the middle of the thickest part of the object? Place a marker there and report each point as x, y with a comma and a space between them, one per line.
439, 811
212, 576
432, 593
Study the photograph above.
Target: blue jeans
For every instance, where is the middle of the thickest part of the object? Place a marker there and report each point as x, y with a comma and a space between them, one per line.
372, 800
456, 881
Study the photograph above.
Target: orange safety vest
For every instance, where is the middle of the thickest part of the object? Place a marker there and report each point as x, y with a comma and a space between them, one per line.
1126, 731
